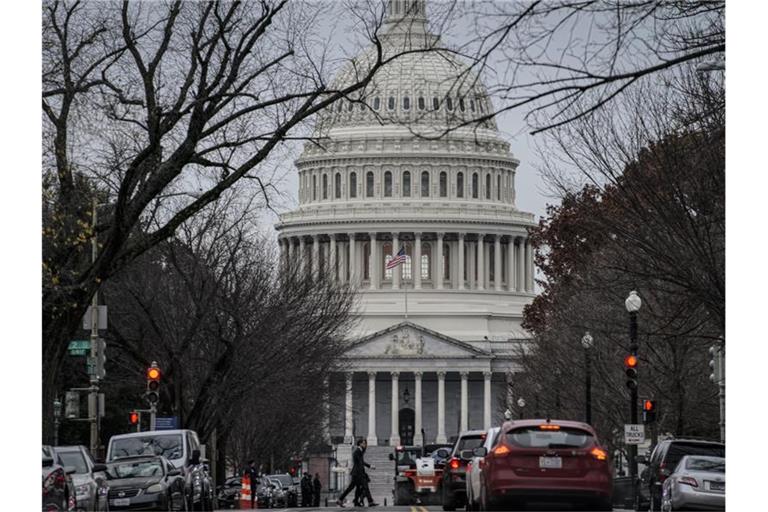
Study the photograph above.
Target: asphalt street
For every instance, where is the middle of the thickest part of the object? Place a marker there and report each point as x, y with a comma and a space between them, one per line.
417, 508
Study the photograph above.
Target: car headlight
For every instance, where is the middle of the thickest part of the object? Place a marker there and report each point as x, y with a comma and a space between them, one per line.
155, 488
82, 489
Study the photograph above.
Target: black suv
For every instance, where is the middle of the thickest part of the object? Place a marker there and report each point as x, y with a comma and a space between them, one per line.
664, 460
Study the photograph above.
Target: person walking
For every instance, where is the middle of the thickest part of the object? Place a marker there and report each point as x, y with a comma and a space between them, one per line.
306, 490
357, 475
253, 475
316, 488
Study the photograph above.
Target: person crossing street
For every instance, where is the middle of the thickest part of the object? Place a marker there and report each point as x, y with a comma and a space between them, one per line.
358, 477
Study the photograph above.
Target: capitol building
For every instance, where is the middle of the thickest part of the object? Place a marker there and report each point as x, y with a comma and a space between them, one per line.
435, 338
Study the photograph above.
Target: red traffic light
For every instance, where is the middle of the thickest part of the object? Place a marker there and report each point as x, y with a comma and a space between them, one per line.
133, 418
649, 405
153, 373
630, 361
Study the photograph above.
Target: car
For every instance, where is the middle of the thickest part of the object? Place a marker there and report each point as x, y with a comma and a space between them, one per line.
88, 479
454, 491
58, 489
264, 492
419, 473
285, 493
698, 482
182, 448
228, 494
143, 483
546, 460
475, 469
665, 458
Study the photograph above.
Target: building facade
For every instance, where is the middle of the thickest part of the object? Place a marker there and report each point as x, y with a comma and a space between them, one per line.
435, 339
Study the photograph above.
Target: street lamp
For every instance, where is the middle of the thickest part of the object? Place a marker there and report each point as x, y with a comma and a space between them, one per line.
521, 406
588, 342
633, 304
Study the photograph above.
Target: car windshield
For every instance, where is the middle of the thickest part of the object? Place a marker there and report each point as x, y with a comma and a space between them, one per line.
169, 446
137, 469
716, 465
469, 443
679, 450
535, 437
74, 459
407, 457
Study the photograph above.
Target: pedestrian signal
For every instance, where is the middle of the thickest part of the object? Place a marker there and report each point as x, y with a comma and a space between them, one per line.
649, 411
134, 418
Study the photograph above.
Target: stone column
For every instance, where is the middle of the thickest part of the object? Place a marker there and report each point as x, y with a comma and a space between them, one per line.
510, 397
291, 260
373, 267
461, 262
353, 270
327, 409
440, 408
511, 265
418, 439
497, 263
416, 263
315, 255
333, 263
372, 409
396, 270
302, 256
520, 265
342, 254
487, 400
529, 261
480, 262
394, 436
348, 421
439, 273
471, 252
464, 401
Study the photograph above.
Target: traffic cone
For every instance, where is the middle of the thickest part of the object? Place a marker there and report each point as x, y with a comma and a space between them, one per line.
245, 492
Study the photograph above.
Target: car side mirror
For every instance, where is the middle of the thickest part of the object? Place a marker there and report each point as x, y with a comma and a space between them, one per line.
195, 459
99, 468
467, 454
69, 469
391, 456
480, 451
174, 472
47, 462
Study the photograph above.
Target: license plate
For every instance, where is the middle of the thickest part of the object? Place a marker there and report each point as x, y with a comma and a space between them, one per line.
550, 462
717, 486
120, 502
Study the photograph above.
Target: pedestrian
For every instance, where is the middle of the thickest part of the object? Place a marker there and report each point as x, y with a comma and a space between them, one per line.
306, 490
357, 475
253, 476
361, 491
316, 488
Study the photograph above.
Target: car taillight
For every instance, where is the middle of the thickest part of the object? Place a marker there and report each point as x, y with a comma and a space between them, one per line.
687, 480
599, 453
500, 450
454, 463
410, 472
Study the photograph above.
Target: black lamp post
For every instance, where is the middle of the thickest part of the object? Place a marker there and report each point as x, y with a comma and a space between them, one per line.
587, 342
633, 303
521, 406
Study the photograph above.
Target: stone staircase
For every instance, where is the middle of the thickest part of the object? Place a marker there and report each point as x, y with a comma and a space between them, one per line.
383, 477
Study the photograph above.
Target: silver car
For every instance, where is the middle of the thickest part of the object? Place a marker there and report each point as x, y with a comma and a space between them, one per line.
89, 479
474, 470
698, 482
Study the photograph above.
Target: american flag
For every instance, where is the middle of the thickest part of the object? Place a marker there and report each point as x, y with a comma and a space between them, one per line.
400, 258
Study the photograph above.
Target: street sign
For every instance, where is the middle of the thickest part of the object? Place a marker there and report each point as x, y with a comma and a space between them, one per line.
102, 318
72, 405
166, 422
79, 347
634, 434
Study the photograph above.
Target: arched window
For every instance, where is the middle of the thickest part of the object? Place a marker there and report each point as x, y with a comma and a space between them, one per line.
460, 185
369, 184
472, 105
426, 260
376, 103
314, 188
443, 184
406, 103
449, 104
461, 105
422, 103
487, 186
366, 260
353, 185
498, 187
407, 184
387, 184
474, 185
425, 184
325, 186
435, 104
337, 186
391, 103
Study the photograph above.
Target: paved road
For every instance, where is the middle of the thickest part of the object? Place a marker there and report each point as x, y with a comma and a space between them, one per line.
407, 509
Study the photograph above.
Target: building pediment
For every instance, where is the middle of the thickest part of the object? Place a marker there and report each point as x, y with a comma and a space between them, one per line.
409, 340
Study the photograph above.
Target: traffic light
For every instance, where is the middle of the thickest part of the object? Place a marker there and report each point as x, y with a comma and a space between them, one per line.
714, 363
630, 368
649, 411
153, 384
134, 418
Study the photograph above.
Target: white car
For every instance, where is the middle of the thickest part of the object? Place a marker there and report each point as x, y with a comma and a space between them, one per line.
698, 482
474, 470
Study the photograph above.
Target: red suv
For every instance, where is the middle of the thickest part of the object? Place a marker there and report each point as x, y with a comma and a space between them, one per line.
548, 461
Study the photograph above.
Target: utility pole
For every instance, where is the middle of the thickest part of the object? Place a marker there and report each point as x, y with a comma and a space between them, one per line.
56, 420
633, 304
717, 364
93, 396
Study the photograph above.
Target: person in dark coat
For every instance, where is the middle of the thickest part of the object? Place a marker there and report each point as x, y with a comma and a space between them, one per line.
358, 477
306, 490
253, 475
316, 488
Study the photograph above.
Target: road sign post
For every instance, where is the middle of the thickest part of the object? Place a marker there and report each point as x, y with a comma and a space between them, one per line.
634, 434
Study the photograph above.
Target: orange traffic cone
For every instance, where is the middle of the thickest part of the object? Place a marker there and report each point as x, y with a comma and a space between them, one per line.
245, 492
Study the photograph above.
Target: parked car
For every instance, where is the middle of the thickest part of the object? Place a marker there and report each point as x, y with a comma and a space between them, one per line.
145, 483
285, 493
475, 469
698, 482
263, 491
181, 448
58, 489
454, 490
89, 480
228, 494
548, 461
665, 458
